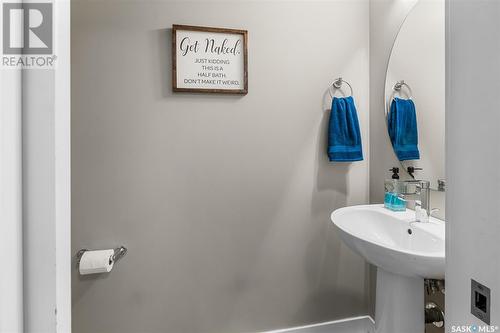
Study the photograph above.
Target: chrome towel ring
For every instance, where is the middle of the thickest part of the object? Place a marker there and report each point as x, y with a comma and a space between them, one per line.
396, 89
400, 84
337, 84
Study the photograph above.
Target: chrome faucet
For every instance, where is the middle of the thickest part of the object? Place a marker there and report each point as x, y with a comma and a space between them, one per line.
419, 192
424, 189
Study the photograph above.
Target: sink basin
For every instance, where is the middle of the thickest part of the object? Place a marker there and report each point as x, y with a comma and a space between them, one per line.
392, 241
404, 251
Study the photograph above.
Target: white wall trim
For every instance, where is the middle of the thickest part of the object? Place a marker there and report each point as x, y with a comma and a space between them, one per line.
11, 253
367, 319
46, 187
62, 133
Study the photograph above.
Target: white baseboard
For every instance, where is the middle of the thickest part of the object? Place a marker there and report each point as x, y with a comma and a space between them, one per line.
364, 324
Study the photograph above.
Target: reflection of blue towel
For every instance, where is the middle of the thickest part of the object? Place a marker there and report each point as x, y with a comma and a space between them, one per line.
402, 125
344, 138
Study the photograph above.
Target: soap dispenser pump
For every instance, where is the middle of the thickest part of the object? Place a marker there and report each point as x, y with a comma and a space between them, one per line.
392, 200
395, 172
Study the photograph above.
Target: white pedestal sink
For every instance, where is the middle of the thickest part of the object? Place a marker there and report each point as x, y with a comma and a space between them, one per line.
405, 252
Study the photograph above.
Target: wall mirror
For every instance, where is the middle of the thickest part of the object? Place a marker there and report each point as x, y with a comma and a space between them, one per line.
415, 92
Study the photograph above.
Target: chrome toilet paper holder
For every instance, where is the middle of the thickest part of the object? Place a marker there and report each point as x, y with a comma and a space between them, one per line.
119, 253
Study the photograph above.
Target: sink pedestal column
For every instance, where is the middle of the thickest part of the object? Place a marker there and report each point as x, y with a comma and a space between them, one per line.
399, 306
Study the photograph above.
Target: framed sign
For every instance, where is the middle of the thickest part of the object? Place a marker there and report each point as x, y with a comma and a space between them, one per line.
209, 60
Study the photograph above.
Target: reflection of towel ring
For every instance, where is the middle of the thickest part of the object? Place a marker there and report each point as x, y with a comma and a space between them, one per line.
337, 84
398, 85
397, 89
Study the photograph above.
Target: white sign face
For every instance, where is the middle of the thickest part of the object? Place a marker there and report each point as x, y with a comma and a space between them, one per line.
209, 61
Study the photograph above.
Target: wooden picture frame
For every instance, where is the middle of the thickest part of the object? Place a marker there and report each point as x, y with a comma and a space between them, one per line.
206, 60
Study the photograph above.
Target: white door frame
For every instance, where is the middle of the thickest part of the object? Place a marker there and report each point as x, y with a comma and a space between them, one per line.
11, 279
26, 299
62, 14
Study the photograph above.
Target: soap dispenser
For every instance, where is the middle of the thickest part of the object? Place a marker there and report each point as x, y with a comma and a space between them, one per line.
389, 188
392, 200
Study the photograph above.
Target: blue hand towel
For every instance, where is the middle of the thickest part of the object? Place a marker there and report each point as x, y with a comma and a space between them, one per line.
344, 137
402, 125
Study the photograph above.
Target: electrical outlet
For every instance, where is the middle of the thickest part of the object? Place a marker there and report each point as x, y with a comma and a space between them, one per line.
480, 299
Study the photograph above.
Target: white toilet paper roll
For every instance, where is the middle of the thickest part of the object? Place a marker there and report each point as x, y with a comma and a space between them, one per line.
100, 261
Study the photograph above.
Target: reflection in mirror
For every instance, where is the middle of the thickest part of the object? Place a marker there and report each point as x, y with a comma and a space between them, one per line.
415, 92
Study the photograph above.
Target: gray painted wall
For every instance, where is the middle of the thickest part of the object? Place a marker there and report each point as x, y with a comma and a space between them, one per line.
223, 201
472, 136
